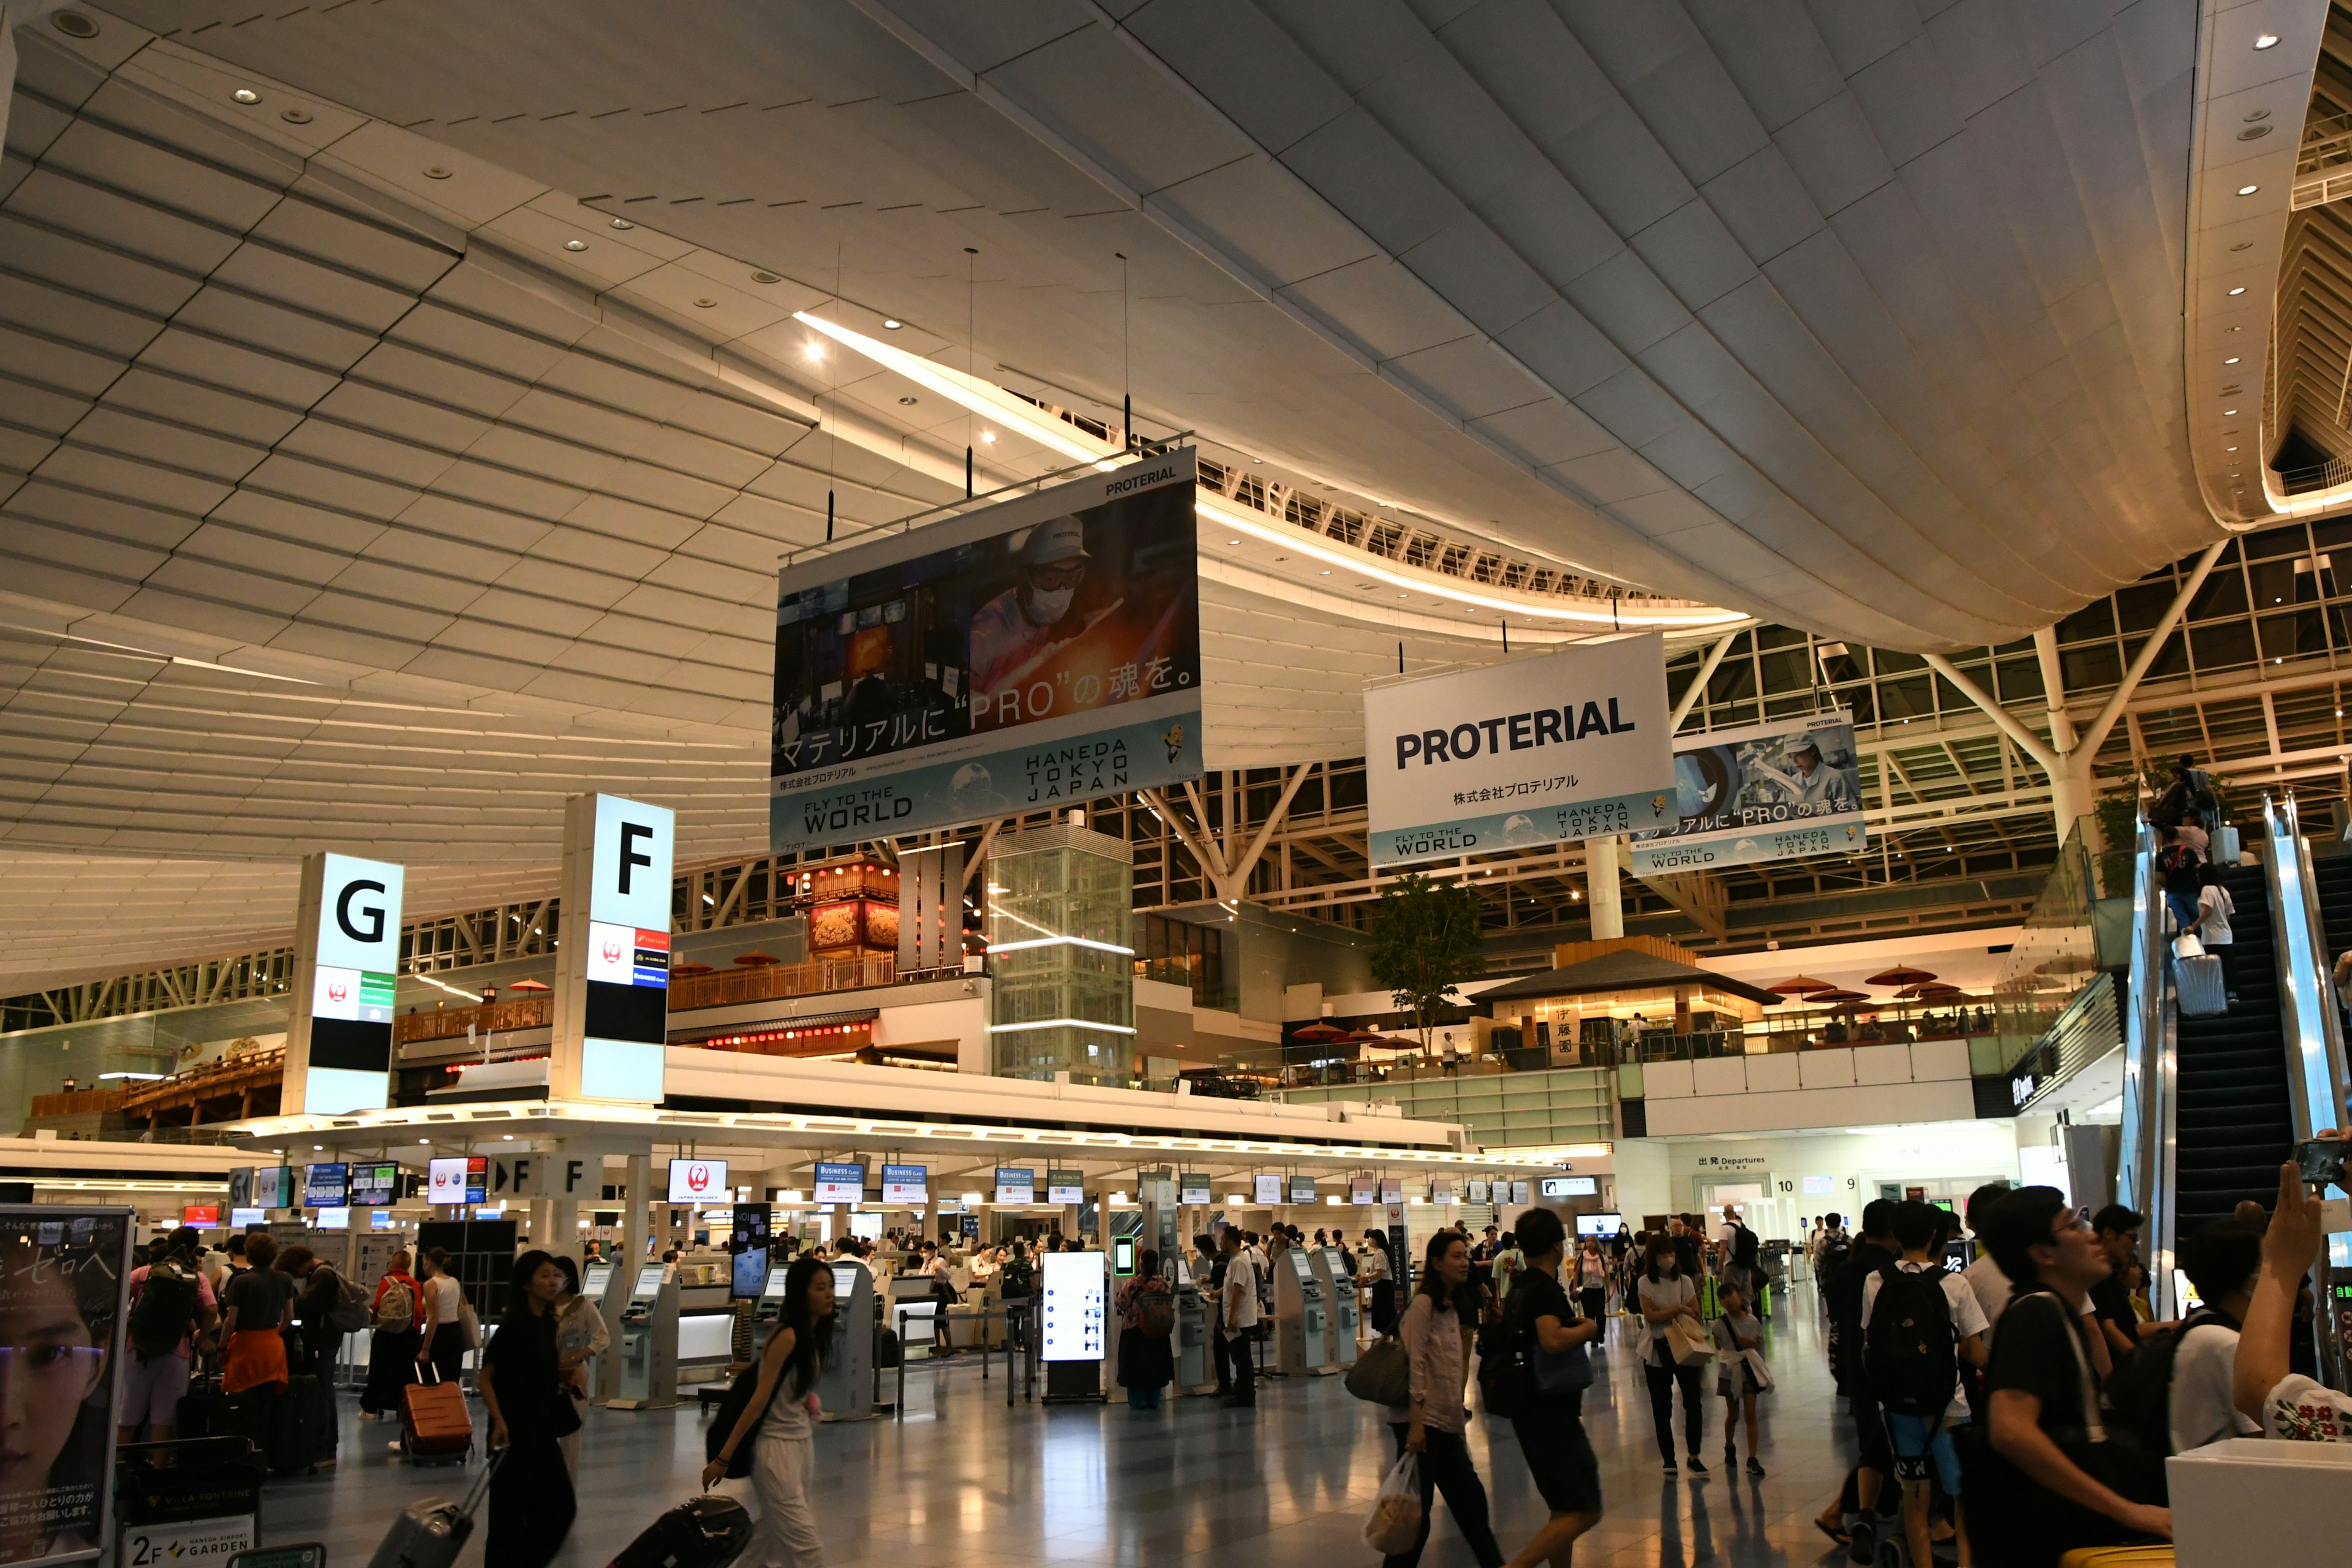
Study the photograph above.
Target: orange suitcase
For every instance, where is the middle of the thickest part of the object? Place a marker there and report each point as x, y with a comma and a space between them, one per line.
435, 1426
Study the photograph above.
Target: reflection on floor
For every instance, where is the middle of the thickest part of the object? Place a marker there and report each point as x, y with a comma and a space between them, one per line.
964, 1481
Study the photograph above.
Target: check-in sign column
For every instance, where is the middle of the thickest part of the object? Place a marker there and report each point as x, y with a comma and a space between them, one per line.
611, 994
346, 958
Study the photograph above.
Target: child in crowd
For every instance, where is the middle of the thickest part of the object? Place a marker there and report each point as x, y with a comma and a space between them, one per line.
1742, 1377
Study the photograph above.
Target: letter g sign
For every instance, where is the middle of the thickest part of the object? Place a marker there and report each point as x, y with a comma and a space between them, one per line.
373, 913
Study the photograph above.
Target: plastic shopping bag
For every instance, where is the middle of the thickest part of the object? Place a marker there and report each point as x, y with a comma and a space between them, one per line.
1395, 1521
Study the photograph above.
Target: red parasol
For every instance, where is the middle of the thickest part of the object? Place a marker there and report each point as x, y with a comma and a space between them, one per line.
1901, 974
1319, 1030
757, 960
688, 969
1801, 985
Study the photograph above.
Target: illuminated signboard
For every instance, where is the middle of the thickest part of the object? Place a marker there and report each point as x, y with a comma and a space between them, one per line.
693, 1180
1075, 1290
1269, 1189
1520, 1193
1392, 1189
1478, 1192
1015, 1186
622, 985
1302, 1189
1362, 1190
908, 1184
1066, 1186
1195, 1187
204, 1215
1571, 1186
273, 1187
842, 1184
347, 954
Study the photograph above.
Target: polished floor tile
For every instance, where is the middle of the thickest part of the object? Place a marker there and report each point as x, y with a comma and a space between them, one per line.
965, 1482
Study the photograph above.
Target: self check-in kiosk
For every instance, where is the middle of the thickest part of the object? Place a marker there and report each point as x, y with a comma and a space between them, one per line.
1192, 1368
1340, 1290
1302, 1312
596, 1279
648, 1339
844, 1389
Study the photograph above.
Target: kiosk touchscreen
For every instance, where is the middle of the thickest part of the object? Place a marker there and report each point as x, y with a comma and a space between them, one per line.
768, 1311
649, 1336
1340, 1290
1303, 1345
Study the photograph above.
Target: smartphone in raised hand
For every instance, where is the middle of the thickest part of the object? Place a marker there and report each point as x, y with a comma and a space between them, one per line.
2321, 1160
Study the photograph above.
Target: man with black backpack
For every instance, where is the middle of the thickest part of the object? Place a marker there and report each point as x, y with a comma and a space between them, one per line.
171, 1304
1918, 1323
1845, 1267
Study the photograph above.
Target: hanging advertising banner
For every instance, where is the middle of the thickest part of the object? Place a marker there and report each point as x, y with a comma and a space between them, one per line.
1769, 791
63, 1277
1568, 745
1041, 650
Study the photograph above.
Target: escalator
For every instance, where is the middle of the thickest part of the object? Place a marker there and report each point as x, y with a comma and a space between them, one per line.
2332, 878
2234, 1105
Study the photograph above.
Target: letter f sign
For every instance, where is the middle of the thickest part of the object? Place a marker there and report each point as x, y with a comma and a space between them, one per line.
630, 833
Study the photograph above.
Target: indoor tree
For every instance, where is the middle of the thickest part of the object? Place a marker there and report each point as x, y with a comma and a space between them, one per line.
1425, 942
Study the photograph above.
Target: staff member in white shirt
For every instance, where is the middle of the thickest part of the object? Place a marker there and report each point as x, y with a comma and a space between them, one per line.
1239, 1311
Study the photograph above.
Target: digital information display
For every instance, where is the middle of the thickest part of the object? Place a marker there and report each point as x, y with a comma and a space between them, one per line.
1269, 1189
593, 1281
908, 1184
1478, 1192
1302, 1189
1015, 1186
1392, 1189
1571, 1186
273, 1187
648, 1283
840, 1183
327, 1186
458, 1179
1599, 1224
1362, 1190
1075, 1293
866, 1226
1441, 1189
1194, 1188
375, 1184
382, 1219
205, 1216
694, 1181
240, 1218
1066, 1186
775, 1290
336, 1219
750, 1279
1519, 1193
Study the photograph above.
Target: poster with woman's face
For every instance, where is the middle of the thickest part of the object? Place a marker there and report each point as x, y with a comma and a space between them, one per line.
62, 1281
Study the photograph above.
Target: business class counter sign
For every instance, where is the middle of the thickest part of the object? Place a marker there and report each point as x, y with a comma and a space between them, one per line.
1044, 650
1770, 792
1551, 750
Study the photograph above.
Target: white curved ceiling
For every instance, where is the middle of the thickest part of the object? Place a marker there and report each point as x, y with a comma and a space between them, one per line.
379, 474
1863, 319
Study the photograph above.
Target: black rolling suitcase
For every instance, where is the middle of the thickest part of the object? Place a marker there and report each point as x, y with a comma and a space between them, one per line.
701, 1532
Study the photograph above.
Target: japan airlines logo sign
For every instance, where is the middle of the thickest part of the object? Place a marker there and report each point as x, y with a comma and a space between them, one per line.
697, 1179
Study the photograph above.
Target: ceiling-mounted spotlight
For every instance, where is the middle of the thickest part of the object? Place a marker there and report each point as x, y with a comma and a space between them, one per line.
2266, 40
2248, 190
890, 326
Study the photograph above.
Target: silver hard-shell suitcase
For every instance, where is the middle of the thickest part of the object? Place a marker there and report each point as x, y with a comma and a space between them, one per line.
430, 1534
2199, 982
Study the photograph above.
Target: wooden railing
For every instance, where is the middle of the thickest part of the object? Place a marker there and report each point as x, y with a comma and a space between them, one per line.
767, 982
496, 1018
217, 1079
79, 1102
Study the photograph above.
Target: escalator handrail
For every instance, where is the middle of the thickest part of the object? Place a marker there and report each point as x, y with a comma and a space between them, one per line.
2313, 1031
2143, 1177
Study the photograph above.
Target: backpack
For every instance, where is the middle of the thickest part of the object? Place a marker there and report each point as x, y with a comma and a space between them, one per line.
1836, 1247
165, 1313
1743, 1247
1909, 1349
1155, 1311
396, 1313
349, 1314
2140, 1393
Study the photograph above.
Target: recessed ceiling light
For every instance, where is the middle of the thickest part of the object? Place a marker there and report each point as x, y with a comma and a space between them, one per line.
2232, 360
905, 403
989, 437
2266, 40
814, 350
623, 224
2230, 448
575, 245
1327, 574
1233, 542
246, 95
2248, 190
2242, 245
890, 326
2238, 290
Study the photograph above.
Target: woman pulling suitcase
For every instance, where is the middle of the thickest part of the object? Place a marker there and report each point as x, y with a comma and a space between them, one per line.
531, 1504
782, 1410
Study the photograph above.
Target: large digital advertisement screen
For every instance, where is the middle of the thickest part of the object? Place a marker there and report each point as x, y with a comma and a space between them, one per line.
1074, 1285
1042, 650
63, 1272
1768, 791
1564, 746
